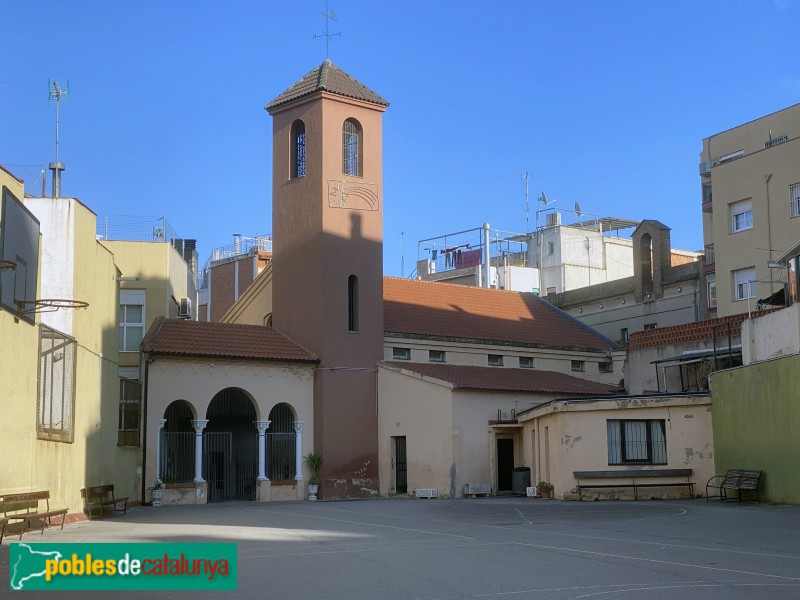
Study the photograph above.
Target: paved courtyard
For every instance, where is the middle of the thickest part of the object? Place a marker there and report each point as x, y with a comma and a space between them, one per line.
494, 548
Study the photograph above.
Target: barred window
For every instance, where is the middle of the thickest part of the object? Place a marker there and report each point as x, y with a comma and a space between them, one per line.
352, 145
637, 442
130, 394
56, 398
298, 149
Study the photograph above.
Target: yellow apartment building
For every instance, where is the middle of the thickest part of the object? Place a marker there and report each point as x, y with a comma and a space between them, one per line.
750, 178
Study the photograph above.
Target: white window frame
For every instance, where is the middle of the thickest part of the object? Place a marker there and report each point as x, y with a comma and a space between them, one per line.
605, 367
401, 353
744, 282
711, 290
637, 441
528, 362
130, 298
743, 209
494, 360
794, 200
436, 356
578, 365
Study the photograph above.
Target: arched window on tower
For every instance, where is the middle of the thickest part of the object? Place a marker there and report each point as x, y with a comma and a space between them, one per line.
298, 149
352, 304
352, 146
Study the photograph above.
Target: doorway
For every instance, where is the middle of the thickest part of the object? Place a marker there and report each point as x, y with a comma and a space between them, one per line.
400, 465
230, 447
505, 464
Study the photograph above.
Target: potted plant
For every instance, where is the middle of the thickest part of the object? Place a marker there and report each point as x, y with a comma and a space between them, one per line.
545, 489
313, 461
157, 492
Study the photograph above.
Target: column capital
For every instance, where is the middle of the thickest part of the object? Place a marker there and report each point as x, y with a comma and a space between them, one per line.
298, 425
161, 423
262, 426
199, 425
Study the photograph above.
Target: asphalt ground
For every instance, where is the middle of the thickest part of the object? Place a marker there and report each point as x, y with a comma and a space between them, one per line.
490, 548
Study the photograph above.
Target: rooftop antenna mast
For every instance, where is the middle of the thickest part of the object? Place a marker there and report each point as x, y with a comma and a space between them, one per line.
329, 16
56, 92
526, 177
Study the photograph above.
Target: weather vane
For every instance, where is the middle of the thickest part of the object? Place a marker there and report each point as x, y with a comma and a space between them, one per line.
329, 16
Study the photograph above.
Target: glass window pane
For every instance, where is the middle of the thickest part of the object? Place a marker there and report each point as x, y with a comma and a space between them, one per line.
133, 313
635, 440
614, 447
133, 337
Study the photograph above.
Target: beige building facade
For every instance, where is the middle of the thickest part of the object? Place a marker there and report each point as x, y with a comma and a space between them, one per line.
750, 181
567, 436
60, 429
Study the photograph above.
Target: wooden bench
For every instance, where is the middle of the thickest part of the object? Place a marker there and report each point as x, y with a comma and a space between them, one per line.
735, 479
3, 523
634, 478
101, 497
25, 508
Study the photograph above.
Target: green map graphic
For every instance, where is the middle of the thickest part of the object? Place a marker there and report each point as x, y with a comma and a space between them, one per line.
29, 564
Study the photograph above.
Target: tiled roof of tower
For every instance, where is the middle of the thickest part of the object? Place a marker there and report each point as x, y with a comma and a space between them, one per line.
500, 379
179, 337
329, 78
463, 313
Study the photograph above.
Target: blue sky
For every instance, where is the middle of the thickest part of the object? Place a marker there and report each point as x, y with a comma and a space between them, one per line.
604, 103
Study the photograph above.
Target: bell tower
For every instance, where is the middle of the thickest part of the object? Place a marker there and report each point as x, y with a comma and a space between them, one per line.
327, 270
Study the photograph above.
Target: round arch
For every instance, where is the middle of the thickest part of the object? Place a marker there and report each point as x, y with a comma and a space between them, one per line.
281, 443
177, 443
230, 450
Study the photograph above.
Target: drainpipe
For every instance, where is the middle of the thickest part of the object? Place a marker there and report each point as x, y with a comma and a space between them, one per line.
767, 178
487, 255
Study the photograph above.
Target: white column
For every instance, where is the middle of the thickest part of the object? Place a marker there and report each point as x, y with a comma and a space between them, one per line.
199, 425
298, 427
161, 423
262, 427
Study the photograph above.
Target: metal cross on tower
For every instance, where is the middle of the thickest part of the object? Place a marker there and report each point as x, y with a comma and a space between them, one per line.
329, 16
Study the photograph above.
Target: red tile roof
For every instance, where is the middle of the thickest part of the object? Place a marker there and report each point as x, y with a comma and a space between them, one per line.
691, 332
329, 78
463, 313
501, 379
178, 337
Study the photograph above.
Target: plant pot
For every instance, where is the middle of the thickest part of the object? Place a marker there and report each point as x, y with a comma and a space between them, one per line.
158, 496
312, 491
545, 494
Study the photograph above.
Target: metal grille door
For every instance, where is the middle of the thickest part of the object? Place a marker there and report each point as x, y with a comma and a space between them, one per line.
177, 456
400, 465
218, 466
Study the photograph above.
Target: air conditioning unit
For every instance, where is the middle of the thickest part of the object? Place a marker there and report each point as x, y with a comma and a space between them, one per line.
553, 219
426, 493
477, 489
705, 168
185, 308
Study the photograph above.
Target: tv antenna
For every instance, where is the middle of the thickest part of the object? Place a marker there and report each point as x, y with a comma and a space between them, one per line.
55, 93
526, 177
542, 199
329, 16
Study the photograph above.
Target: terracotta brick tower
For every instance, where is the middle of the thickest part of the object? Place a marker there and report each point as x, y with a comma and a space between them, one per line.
328, 261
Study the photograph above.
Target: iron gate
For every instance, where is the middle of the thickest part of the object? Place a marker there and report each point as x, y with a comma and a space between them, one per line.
177, 456
230, 465
400, 465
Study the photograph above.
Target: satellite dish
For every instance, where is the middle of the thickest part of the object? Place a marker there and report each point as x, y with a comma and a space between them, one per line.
333, 16
578, 210
544, 197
